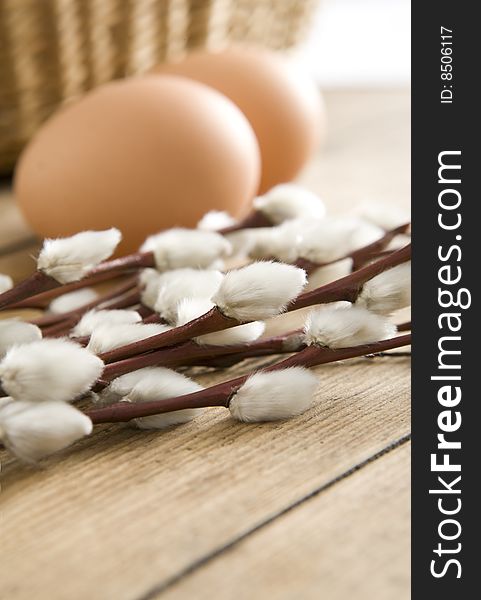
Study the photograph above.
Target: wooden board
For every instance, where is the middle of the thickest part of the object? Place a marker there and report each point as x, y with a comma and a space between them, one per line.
346, 540
225, 509
149, 505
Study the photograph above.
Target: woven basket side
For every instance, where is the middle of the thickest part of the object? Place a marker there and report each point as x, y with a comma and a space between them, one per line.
53, 51
31, 83
277, 24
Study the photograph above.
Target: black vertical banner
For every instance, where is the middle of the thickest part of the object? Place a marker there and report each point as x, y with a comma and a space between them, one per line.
446, 162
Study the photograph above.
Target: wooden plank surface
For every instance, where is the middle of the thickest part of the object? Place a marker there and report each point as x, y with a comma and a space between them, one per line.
148, 505
129, 514
315, 548
14, 232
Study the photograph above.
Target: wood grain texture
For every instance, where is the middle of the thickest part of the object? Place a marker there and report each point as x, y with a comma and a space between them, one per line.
124, 510
366, 158
14, 232
367, 154
347, 541
125, 513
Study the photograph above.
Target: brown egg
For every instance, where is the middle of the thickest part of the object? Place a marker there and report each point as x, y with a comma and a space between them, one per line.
284, 108
142, 155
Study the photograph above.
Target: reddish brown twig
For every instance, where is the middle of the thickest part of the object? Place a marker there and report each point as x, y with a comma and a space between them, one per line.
126, 300
349, 287
121, 296
212, 321
253, 220
371, 251
131, 262
190, 353
43, 300
359, 257
404, 326
220, 394
254, 350
36, 283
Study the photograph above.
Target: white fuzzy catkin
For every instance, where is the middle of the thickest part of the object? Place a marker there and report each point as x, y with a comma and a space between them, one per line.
242, 334
153, 383
215, 220
6, 283
260, 243
32, 430
179, 248
336, 237
72, 300
388, 291
219, 264
243, 240
108, 337
96, 318
274, 396
148, 275
280, 242
289, 201
191, 308
329, 273
384, 214
4, 400
13, 332
259, 290
363, 232
149, 287
69, 259
49, 369
176, 285
399, 241
121, 386
317, 240
344, 325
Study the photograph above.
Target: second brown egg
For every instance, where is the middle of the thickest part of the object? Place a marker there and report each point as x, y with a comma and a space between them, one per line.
284, 107
142, 154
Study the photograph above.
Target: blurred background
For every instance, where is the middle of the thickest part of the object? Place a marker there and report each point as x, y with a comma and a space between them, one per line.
53, 51
359, 43
353, 541
357, 53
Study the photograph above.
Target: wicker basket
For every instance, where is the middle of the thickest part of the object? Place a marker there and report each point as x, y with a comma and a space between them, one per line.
53, 51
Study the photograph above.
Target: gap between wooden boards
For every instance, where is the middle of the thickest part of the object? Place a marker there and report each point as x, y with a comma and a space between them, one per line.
203, 561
